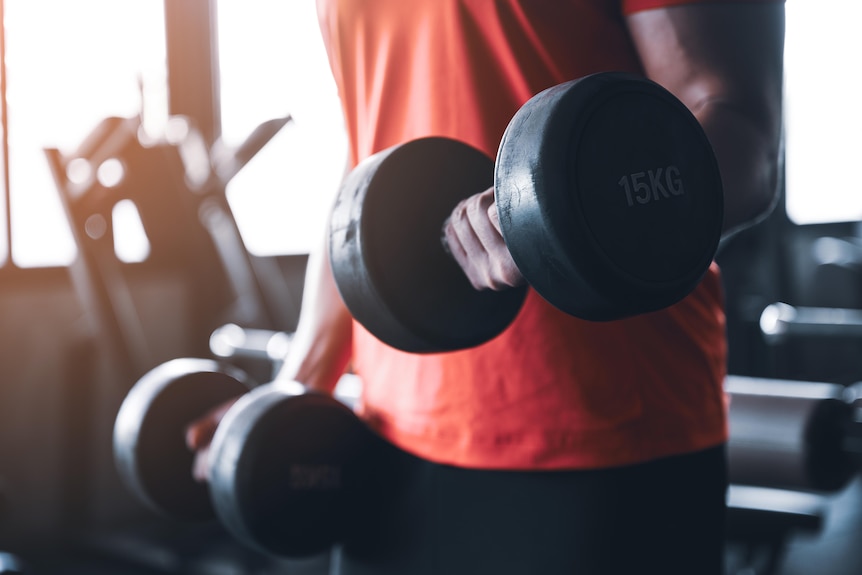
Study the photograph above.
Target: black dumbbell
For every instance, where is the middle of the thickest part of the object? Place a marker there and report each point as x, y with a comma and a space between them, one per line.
610, 203
796, 435
286, 467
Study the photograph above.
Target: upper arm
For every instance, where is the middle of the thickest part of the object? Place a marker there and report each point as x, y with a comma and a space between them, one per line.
714, 52
725, 62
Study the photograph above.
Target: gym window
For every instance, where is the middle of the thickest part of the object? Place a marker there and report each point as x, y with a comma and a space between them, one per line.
67, 64
272, 62
821, 111
59, 80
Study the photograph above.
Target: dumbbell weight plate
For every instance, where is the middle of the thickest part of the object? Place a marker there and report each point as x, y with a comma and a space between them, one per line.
388, 257
615, 208
287, 470
149, 433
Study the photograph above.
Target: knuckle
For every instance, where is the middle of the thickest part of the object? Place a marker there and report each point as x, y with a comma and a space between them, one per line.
505, 274
475, 279
472, 209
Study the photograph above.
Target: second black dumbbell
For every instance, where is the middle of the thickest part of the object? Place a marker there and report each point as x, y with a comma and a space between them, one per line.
286, 468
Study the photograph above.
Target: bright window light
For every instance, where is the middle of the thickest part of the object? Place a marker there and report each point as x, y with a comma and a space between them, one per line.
272, 63
130, 240
822, 99
71, 63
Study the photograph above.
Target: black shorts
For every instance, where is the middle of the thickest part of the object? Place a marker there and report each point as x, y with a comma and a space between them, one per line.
665, 516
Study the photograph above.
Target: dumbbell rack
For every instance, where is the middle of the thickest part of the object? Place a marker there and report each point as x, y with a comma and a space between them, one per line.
794, 510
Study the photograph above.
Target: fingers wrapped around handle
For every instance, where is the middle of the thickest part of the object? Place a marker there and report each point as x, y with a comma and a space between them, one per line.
474, 239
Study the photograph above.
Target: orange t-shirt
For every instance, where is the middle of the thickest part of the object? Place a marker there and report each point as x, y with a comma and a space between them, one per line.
552, 391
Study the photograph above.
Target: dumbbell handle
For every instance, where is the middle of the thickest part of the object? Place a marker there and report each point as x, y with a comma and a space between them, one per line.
780, 320
508, 276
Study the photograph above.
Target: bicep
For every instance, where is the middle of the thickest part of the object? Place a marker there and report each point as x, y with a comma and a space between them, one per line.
731, 53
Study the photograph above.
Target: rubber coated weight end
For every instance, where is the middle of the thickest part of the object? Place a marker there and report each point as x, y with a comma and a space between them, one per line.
287, 470
387, 256
149, 433
789, 434
609, 196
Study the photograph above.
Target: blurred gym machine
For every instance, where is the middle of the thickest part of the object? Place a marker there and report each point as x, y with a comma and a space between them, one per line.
177, 183
817, 341
813, 329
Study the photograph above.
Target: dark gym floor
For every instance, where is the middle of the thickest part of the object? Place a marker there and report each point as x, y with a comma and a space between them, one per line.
164, 548
838, 549
161, 548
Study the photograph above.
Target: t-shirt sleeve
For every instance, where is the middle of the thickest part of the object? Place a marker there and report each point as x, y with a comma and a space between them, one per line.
631, 6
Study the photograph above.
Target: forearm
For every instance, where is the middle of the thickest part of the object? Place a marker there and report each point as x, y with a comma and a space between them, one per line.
321, 347
748, 159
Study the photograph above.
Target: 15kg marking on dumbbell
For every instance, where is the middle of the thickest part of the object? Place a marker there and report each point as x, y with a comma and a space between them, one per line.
642, 189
